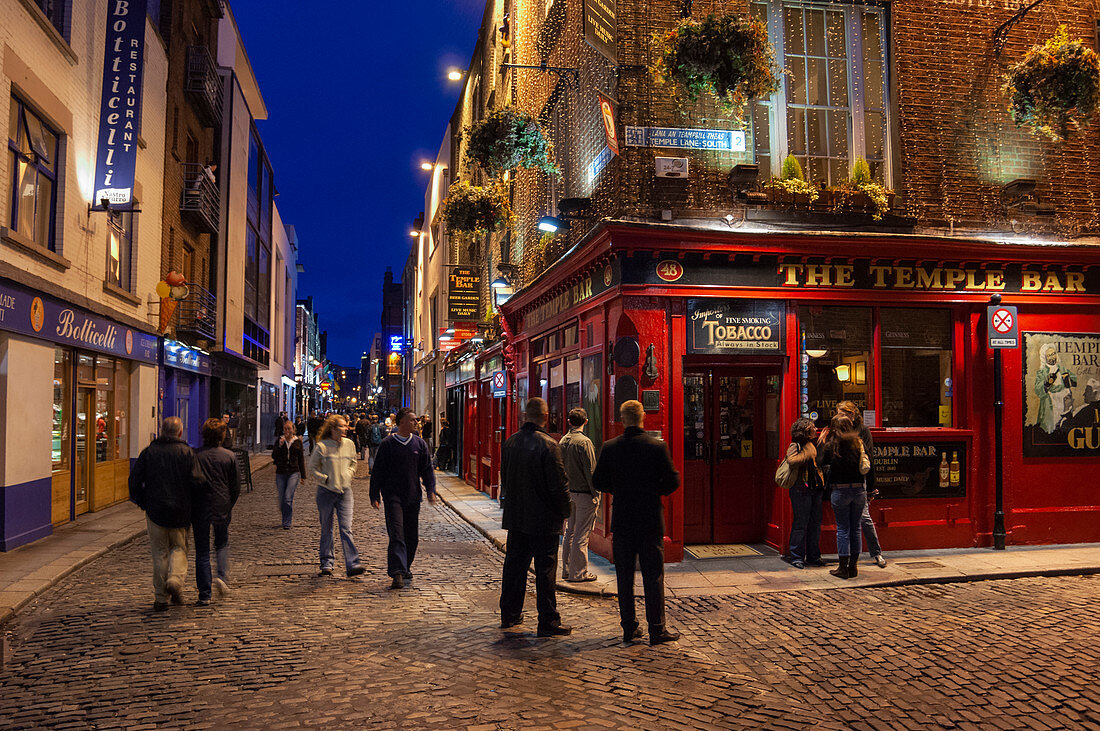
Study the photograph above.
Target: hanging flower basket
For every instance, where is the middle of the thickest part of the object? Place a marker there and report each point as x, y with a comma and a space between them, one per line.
506, 140
725, 55
1056, 87
471, 209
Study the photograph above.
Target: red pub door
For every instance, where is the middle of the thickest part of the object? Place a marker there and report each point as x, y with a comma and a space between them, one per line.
726, 461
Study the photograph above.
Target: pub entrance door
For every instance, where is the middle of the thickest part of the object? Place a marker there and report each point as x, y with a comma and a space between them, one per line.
731, 445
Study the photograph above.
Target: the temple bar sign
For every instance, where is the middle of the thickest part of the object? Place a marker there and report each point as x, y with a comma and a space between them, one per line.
931, 278
463, 294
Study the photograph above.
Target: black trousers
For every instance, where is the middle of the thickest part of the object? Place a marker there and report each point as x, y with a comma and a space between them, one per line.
521, 549
403, 527
648, 550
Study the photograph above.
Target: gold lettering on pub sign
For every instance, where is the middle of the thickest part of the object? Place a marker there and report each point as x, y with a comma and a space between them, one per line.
934, 279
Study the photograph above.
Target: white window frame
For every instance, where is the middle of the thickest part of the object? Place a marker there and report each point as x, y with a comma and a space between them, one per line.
857, 139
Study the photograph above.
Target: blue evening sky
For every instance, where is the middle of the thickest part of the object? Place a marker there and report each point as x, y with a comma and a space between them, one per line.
355, 101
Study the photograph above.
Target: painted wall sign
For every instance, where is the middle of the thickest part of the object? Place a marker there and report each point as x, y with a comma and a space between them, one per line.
585, 289
728, 140
1061, 395
920, 469
898, 275
735, 326
120, 105
463, 294
600, 28
178, 355
24, 310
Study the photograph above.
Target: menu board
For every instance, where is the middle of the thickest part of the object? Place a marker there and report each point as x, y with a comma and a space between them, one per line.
920, 469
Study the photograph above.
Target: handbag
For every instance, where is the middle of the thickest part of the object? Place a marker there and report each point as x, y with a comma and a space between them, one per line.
785, 476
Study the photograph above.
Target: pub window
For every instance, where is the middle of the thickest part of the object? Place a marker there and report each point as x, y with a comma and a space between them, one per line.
832, 105
572, 386
916, 367
556, 398
838, 365
120, 237
521, 397
32, 156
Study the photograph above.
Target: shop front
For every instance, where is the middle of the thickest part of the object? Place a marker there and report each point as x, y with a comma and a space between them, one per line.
73, 388
462, 413
185, 387
492, 414
726, 339
234, 392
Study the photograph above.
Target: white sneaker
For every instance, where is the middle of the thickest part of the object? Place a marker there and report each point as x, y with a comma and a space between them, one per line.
221, 589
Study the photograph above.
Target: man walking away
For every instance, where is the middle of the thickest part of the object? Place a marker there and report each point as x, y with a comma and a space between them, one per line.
166, 482
533, 476
362, 433
214, 509
377, 434
579, 456
402, 463
637, 470
313, 424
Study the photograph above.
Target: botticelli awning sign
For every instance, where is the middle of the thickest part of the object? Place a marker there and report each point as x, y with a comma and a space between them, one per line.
732, 327
120, 108
38, 315
727, 140
463, 294
1061, 395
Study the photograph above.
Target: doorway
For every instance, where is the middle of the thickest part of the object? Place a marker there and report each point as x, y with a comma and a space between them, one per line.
731, 447
86, 444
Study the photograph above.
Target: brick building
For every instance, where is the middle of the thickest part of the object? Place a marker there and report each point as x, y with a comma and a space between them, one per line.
730, 312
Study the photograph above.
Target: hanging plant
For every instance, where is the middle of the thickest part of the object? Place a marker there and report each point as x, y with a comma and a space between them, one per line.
1055, 87
471, 209
725, 55
506, 140
861, 193
791, 185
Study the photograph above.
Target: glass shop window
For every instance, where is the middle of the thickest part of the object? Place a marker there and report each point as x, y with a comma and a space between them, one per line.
592, 383
916, 367
572, 386
521, 397
104, 409
62, 398
838, 365
122, 410
555, 399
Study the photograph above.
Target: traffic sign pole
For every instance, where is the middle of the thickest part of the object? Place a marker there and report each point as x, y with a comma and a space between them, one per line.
998, 420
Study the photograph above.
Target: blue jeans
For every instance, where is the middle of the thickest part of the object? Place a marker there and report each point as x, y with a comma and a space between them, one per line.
805, 544
202, 554
286, 485
848, 504
869, 533
329, 502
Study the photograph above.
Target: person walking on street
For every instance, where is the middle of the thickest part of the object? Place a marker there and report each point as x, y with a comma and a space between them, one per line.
279, 421
443, 453
288, 454
215, 510
806, 497
332, 464
362, 435
533, 476
313, 425
402, 463
166, 481
377, 434
844, 461
637, 469
867, 525
227, 441
579, 456
427, 430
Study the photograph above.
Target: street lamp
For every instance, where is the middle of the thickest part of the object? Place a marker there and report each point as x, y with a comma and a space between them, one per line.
454, 74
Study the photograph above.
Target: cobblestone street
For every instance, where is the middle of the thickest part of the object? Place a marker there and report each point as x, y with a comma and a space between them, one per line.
290, 649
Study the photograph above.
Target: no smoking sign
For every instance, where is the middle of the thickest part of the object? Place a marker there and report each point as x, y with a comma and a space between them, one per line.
1003, 330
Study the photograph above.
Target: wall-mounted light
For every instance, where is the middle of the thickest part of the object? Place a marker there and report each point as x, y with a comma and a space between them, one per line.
816, 352
414, 234
552, 224
454, 74
843, 373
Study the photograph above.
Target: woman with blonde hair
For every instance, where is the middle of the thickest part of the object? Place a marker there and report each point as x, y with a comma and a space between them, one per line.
332, 464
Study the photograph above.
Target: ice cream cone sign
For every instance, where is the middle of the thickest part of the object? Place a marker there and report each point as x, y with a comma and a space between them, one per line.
167, 309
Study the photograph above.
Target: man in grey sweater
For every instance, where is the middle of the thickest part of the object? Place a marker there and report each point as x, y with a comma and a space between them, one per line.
579, 456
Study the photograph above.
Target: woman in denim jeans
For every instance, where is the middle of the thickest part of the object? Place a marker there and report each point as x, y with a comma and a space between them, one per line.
844, 461
290, 469
332, 465
870, 534
805, 494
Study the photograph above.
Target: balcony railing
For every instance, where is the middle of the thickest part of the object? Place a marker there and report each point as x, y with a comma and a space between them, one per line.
200, 197
196, 314
203, 85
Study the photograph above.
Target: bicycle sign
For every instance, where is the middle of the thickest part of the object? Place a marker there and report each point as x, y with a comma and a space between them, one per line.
1003, 327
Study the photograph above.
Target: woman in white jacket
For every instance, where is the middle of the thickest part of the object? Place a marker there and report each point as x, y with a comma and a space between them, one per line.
332, 464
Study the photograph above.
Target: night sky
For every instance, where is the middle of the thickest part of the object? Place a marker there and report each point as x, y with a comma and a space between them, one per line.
355, 101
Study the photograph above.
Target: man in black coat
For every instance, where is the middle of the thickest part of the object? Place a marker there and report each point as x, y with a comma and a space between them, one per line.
637, 470
213, 510
533, 478
402, 463
166, 482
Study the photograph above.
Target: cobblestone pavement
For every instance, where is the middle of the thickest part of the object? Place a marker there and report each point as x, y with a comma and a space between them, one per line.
289, 649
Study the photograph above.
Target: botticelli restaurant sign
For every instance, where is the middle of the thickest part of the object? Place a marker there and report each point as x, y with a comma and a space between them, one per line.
722, 326
1061, 395
920, 469
120, 106
600, 28
28, 312
463, 294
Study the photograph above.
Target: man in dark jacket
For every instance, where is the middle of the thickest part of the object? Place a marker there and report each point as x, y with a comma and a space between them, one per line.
166, 482
313, 426
402, 463
637, 470
214, 509
537, 504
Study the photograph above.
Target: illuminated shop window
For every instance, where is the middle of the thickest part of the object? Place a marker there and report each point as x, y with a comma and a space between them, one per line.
832, 105
916, 367
120, 236
838, 365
